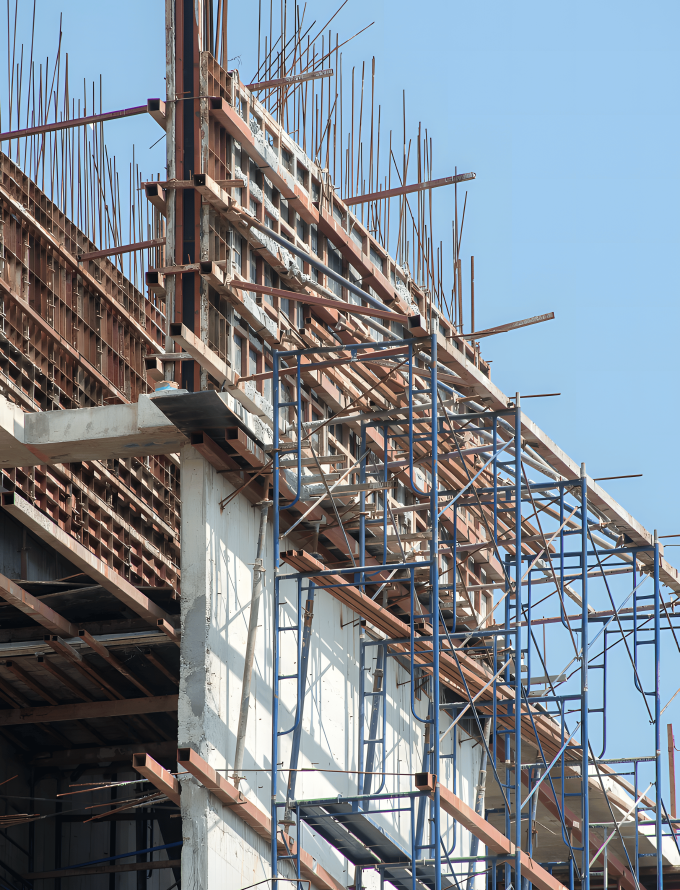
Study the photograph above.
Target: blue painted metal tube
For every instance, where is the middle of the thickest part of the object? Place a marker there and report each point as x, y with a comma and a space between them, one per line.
657, 717
377, 697
585, 738
275, 615
506, 734
518, 642
275, 717
434, 608
302, 682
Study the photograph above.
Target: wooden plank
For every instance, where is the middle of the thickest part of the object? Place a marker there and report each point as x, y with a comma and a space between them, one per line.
209, 449
124, 248
303, 297
88, 710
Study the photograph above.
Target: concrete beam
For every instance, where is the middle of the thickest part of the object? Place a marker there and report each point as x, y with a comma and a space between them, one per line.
48, 531
48, 437
88, 710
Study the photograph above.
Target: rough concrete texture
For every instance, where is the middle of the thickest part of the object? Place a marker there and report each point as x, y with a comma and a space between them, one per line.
84, 433
218, 549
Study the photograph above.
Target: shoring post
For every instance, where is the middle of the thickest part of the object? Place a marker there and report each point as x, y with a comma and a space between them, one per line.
657, 716
302, 683
518, 643
585, 834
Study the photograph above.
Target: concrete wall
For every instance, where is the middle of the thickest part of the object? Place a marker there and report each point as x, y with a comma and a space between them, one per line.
218, 549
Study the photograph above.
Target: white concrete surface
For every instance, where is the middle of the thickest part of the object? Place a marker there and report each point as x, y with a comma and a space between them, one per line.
217, 552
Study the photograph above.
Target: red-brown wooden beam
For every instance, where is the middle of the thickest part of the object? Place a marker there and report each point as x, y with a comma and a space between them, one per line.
124, 248
157, 775
103, 869
75, 122
510, 326
339, 305
491, 837
88, 711
331, 363
407, 189
284, 81
33, 607
260, 822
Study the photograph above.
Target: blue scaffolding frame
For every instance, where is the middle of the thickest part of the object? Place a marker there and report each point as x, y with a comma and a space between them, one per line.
568, 555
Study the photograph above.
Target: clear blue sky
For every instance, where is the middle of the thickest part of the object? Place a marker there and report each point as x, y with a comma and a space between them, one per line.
568, 114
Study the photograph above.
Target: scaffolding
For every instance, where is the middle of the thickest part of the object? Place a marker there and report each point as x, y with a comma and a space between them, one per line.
542, 746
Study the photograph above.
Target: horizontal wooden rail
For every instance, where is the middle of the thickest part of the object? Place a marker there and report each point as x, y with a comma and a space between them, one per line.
408, 189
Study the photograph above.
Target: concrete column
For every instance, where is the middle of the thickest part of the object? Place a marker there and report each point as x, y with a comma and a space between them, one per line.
217, 547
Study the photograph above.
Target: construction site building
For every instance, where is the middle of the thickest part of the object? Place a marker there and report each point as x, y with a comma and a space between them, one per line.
291, 593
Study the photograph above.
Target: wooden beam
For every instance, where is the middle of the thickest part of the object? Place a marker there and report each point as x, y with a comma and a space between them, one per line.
48, 531
30, 605
73, 122
407, 189
286, 81
102, 869
224, 791
74, 756
339, 305
157, 775
511, 326
201, 352
485, 831
260, 822
88, 710
56, 624
28, 680
124, 248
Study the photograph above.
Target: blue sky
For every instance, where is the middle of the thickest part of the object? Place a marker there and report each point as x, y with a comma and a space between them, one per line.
568, 114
